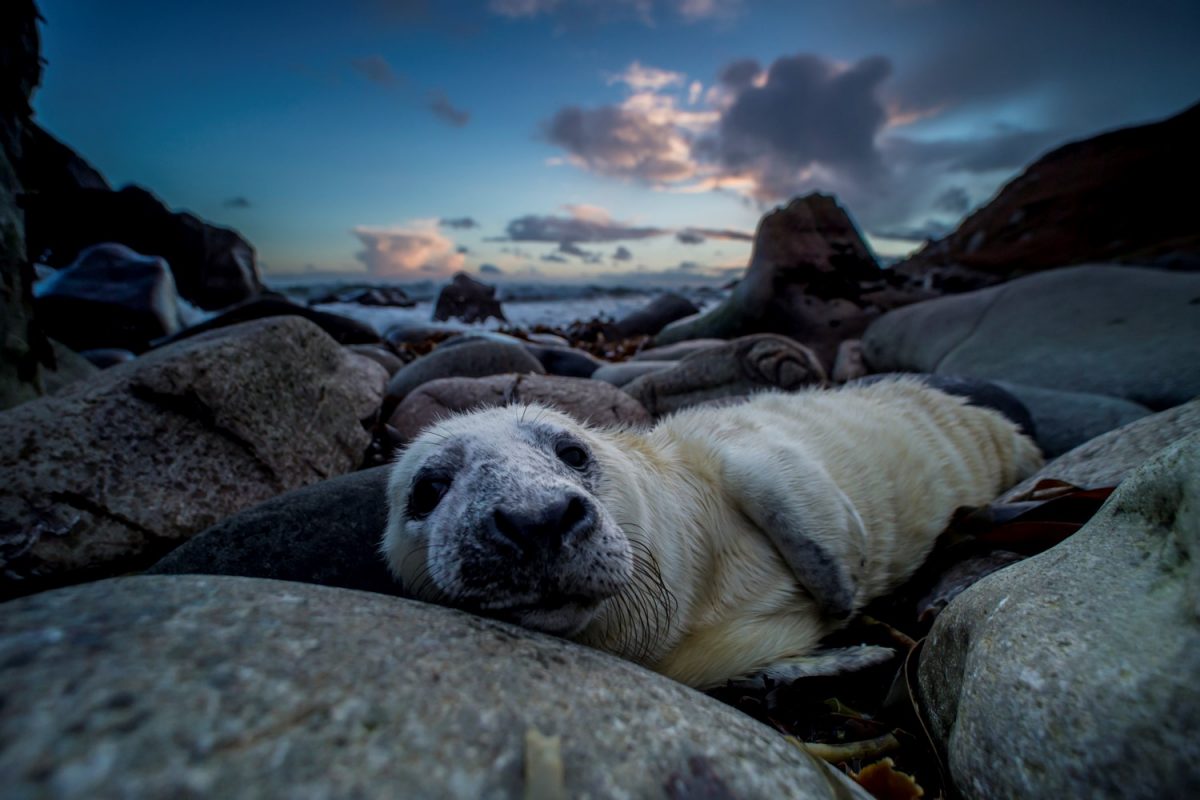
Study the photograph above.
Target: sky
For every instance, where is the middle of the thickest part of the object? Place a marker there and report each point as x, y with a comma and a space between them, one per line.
590, 139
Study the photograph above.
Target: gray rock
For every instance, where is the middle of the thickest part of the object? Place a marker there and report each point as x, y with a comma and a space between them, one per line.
109, 297
1074, 673
655, 315
1107, 459
565, 361
69, 367
849, 363
343, 329
470, 359
182, 686
626, 371
327, 533
586, 400
677, 351
1064, 420
1094, 329
105, 357
804, 281
380, 355
978, 393
736, 369
107, 475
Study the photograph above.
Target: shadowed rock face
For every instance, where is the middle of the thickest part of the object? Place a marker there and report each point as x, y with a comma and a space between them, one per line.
467, 299
1100, 199
804, 281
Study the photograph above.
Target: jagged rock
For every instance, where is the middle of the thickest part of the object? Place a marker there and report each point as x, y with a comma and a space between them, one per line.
586, 400
736, 369
109, 297
1073, 673
110, 473
467, 299
344, 329
326, 533
1127, 333
1099, 199
1065, 420
655, 315
214, 267
473, 358
1107, 459
804, 281
178, 686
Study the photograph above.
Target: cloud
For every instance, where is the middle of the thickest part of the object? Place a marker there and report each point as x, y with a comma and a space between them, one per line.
646, 12
622, 254
932, 229
376, 69
236, 202
458, 223
622, 142
689, 236
415, 249
585, 224
642, 79
556, 258
954, 200
490, 269
699, 235
440, 105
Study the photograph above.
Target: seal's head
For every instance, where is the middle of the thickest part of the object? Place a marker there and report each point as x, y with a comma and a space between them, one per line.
497, 511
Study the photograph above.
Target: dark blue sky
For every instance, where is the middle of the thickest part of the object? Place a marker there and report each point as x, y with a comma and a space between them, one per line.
590, 137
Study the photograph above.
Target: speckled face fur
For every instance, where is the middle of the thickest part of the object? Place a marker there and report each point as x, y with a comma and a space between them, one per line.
497, 512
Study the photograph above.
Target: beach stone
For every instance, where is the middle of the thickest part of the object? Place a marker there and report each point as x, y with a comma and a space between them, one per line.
849, 363
626, 371
109, 297
805, 281
214, 267
171, 686
1065, 420
565, 361
984, 394
380, 355
548, 339
677, 351
1073, 673
655, 315
326, 533
343, 329
69, 367
586, 400
1102, 329
736, 369
1110, 457
105, 357
467, 299
112, 472
474, 358
384, 296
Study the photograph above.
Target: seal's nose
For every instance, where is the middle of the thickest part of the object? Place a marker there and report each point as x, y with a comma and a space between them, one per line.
544, 527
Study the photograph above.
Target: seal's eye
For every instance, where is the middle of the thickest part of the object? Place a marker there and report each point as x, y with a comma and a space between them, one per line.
427, 492
573, 455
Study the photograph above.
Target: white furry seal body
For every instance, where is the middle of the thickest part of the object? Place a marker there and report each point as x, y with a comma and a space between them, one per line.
722, 543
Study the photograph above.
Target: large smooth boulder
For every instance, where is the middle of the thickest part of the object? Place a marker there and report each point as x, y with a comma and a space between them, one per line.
214, 267
467, 299
1065, 420
326, 533
1128, 333
110, 297
473, 358
110, 473
735, 369
589, 401
176, 686
1073, 673
655, 315
344, 329
1099, 199
804, 281
1110, 457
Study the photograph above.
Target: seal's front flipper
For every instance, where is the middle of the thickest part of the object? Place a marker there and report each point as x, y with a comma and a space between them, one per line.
811, 522
823, 663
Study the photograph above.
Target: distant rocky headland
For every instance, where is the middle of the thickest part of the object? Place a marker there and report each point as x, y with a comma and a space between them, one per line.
193, 469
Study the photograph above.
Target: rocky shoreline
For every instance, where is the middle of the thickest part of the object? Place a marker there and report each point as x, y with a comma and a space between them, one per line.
190, 513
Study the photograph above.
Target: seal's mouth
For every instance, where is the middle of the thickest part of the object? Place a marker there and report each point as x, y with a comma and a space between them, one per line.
557, 613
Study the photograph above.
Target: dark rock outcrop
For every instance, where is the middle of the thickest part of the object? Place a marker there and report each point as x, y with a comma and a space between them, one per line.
467, 299
344, 329
111, 297
655, 315
805, 281
1099, 199
214, 267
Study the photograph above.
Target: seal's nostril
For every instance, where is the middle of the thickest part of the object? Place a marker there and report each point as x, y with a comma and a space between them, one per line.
545, 527
574, 517
508, 527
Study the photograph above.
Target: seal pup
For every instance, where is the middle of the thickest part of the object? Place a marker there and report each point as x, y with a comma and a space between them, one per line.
721, 544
